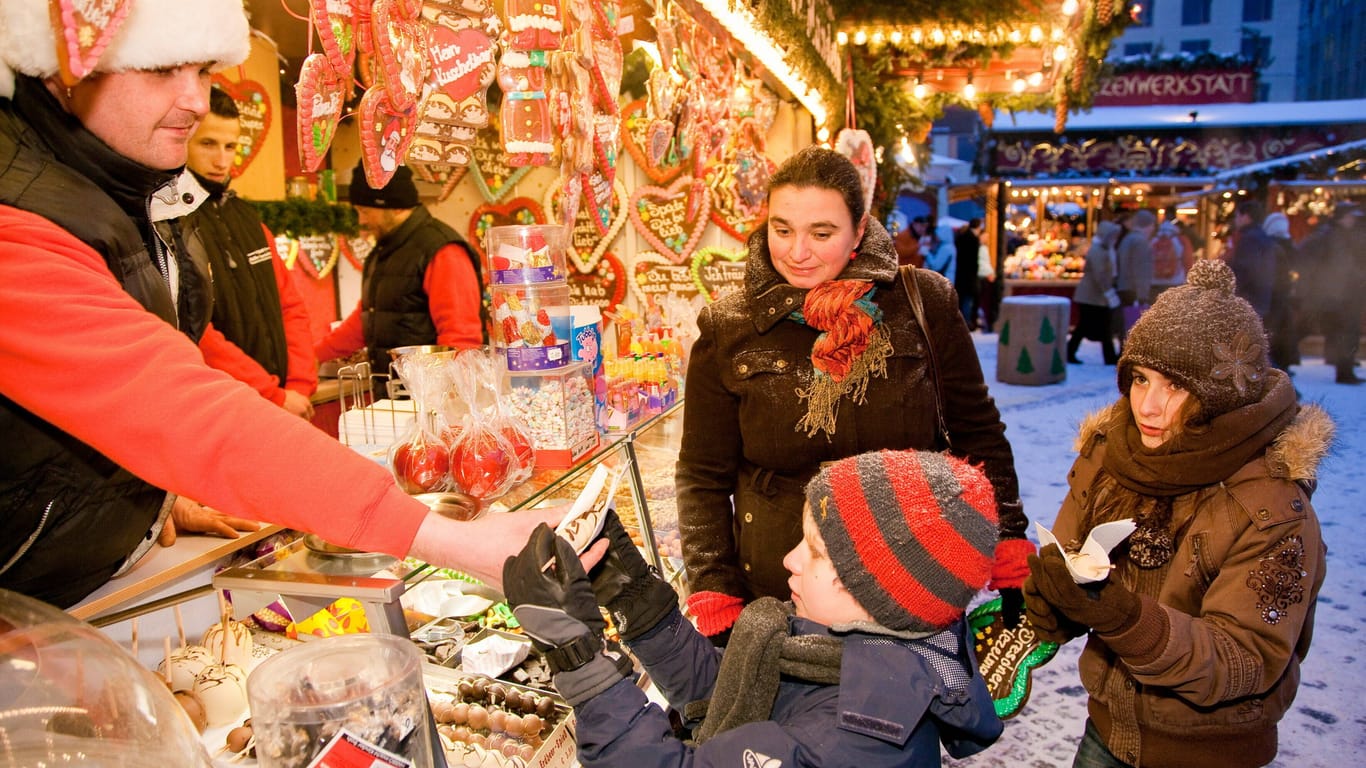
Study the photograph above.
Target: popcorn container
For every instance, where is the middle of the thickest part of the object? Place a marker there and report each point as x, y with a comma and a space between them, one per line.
340, 697
531, 324
526, 253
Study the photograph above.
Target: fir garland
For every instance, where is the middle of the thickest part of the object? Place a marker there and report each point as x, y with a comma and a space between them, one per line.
297, 217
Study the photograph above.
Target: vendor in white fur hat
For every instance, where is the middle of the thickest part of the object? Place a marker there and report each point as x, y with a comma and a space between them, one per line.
107, 408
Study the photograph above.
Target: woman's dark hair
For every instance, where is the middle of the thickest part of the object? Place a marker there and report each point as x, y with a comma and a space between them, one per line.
824, 169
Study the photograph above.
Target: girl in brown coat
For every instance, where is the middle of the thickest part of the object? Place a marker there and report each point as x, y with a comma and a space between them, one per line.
820, 358
1196, 637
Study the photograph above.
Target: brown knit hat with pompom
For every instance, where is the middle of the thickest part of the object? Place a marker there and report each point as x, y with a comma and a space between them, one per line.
1205, 338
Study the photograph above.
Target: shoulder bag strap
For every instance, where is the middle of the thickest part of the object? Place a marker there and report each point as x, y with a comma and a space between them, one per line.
912, 286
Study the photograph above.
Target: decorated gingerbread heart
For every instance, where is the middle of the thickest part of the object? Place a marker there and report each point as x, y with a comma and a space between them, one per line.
672, 219
84, 29
335, 21
718, 272
320, 94
587, 241
385, 134
857, 145
650, 142
461, 59
518, 210
254, 116
400, 45
1007, 657
654, 276
492, 174
603, 286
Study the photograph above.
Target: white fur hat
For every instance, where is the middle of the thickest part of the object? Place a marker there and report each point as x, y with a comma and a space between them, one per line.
156, 34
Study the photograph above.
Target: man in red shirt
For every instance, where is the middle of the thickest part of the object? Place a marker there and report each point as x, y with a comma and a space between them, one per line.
420, 284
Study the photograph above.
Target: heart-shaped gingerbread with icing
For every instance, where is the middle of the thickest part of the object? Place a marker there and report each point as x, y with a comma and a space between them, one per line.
603, 286
518, 210
718, 272
647, 145
672, 219
84, 29
385, 134
254, 116
320, 94
654, 276
461, 59
587, 241
335, 21
400, 45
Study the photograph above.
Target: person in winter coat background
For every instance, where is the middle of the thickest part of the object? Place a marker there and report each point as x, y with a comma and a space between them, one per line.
819, 357
942, 255
966, 244
1095, 297
869, 664
1282, 324
1333, 278
1195, 638
1253, 258
1134, 268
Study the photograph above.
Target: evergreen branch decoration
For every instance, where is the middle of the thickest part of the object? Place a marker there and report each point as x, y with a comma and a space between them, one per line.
789, 34
297, 217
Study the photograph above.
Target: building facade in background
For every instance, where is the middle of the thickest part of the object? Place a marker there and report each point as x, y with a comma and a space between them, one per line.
1331, 51
1264, 30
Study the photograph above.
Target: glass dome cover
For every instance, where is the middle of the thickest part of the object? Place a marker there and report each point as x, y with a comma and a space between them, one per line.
70, 695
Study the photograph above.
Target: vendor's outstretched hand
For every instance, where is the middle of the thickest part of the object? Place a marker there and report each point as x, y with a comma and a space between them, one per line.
1106, 607
627, 586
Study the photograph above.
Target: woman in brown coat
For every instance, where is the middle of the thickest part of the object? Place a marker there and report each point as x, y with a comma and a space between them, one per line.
818, 358
1194, 640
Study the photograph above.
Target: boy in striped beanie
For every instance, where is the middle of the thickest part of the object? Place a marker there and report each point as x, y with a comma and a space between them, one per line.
869, 665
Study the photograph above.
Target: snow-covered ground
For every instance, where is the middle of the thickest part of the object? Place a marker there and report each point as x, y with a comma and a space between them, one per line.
1327, 725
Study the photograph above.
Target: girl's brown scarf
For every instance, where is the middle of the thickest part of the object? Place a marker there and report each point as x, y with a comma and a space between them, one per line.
1140, 483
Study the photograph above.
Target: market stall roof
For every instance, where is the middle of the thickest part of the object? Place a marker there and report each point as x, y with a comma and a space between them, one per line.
1183, 115
1118, 179
1346, 149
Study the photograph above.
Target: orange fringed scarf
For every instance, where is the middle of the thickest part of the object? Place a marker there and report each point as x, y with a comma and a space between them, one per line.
852, 348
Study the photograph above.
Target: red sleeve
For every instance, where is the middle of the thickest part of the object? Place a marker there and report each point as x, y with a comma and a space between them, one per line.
302, 373
229, 358
342, 342
81, 354
453, 296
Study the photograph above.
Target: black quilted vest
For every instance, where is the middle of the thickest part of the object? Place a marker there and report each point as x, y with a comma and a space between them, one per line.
394, 306
246, 299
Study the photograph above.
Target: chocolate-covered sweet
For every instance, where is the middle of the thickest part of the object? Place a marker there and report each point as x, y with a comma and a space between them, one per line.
532, 724
194, 708
460, 713
479, 717
238, 738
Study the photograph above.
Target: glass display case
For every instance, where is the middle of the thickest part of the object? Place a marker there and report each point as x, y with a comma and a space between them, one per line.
312, 574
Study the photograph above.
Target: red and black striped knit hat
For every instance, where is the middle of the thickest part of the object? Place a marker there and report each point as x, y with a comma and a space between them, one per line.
911, 534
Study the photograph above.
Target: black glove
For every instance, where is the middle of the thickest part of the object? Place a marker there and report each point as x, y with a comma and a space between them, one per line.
627, 586
1047, 623
1012, 606
556, 608
1107, 607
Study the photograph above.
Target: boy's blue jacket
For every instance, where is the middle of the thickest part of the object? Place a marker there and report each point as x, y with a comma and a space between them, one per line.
891, 708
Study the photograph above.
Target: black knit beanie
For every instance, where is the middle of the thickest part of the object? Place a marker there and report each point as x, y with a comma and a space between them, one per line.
1205, 338
910, 533
400, 192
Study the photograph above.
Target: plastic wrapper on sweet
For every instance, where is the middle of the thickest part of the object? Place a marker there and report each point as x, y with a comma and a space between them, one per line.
343, 617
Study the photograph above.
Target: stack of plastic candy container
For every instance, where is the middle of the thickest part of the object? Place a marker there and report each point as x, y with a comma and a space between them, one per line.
530, 296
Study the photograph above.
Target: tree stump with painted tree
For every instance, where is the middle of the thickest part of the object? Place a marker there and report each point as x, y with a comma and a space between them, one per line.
1032, 340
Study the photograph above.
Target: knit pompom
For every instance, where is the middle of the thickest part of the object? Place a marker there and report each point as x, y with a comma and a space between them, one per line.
1212, 275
